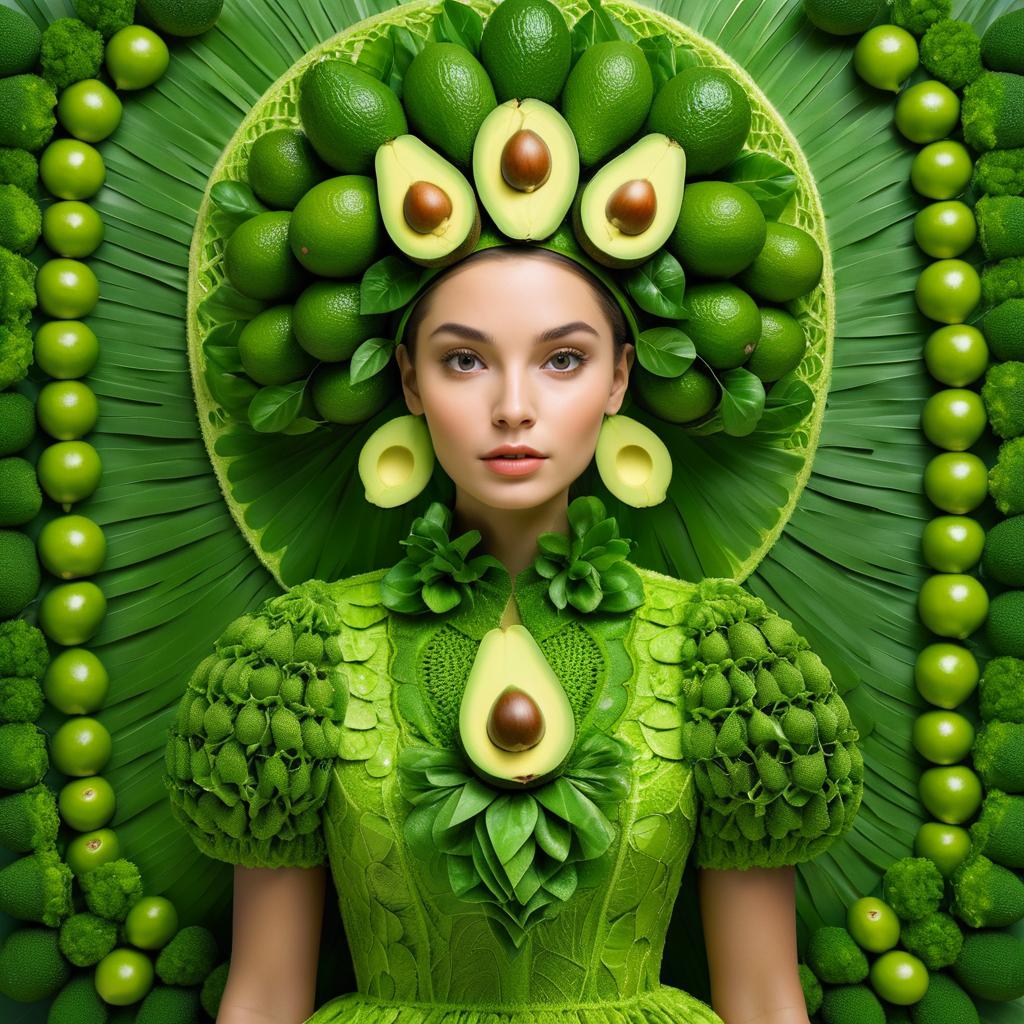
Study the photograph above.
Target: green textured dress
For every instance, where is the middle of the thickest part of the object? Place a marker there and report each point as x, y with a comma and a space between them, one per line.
324, 728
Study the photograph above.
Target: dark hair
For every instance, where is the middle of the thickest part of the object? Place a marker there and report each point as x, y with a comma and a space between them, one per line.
609, 306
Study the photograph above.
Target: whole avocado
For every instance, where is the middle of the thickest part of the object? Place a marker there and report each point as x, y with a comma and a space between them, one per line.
181, 17
526, 48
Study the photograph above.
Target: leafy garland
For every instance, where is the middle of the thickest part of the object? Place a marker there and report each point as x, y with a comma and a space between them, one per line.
515, 850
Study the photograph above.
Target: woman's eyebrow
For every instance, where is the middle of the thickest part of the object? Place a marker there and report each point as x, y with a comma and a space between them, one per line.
473, 334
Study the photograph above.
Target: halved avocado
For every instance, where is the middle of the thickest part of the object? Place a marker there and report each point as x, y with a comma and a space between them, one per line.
526, 167
633, 462
627, 211
396, 461
427, 204
513, 696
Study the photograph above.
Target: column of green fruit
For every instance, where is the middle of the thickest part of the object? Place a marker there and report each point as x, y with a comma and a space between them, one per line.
953, 949
34, 962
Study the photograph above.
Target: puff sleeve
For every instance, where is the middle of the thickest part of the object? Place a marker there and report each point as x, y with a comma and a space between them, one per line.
249, 754
774, 751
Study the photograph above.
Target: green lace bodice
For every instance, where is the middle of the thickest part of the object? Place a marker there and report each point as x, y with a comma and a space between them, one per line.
288, 741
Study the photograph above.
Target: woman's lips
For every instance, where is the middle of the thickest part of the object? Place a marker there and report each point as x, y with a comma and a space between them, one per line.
521, 466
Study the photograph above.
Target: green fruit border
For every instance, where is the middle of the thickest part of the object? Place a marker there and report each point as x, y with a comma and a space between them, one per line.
277, 107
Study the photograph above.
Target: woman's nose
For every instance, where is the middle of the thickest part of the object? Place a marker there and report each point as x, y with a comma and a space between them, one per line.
514, 404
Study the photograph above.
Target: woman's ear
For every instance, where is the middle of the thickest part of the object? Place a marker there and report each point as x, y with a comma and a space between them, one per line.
620, 379
408, 373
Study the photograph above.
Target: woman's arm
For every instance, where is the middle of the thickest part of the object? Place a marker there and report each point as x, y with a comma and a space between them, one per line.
275, 945
749, 920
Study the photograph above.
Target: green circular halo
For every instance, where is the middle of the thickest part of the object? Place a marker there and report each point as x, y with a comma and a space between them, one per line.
296, 497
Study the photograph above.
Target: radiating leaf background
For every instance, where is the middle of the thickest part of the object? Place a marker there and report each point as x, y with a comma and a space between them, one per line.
846, 569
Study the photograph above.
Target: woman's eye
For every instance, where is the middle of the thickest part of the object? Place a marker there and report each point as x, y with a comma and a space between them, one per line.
563, 355
461, 361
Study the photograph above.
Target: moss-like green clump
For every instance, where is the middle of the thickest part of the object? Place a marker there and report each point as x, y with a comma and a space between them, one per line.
213, 988
917, 16
992, 111
935, 939
29, 820
1003, 280
18, 167
998, 755
1005, 629
21, 699
112, 889
1006, 479
1003, 327
999, 172
23, 756
70, 52
1003, 395
1002, 45
26, 112
1000, 226
951, 51
189, 957
998, 829
23, 650
106, 16
913, 887
19, 42
37, 888
835, 957
21, 221
987, 895
86, 939
851, 1004
1003, 561
164, 1005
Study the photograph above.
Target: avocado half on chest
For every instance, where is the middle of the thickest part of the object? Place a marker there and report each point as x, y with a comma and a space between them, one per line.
516, 724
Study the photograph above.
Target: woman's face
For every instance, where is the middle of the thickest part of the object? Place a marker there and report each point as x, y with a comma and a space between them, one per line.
514, 351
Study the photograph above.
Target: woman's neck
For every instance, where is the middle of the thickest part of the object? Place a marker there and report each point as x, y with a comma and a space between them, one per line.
510, 534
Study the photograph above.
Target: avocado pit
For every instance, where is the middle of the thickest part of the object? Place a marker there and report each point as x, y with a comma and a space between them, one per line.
632, 206
515, 722
426, 207
525, 161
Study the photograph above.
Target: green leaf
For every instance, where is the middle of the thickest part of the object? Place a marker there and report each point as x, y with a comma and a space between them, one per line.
274, 407
658, 285
226, 303
510, 822
231, 391
665, 59
377, 56
787, 403
742, 401
388, 284
237, 199
666, 351
554, 544
563, 799
371, 357
584, 513
406, 45
553, 835
767, 179
460, 23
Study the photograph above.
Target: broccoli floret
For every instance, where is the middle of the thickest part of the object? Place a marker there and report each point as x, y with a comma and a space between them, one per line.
17, 286
1000, 226
15, 352
1001, 686
1002, 45
18, 167
1003, 395
999, 827
913, 887
1006, 477
986, 895
23, 650
1000, 172
935, 939
70, 52
918, 16
37, 888
106, 16
998, 755
951, 51
29, 820
213, 988
851, 1004
992, 111
112, 889
23, 756
1003, 280
834, 957
86, 939
21, 221
26, 112
811, 987
189, 957
21, 699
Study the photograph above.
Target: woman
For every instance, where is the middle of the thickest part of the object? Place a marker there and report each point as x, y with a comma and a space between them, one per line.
326, 728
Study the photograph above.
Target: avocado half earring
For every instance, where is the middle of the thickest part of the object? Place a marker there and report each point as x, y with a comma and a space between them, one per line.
397, 461
633, 462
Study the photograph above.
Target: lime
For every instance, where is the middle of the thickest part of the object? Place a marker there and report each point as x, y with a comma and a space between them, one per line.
338, 400
873, 924
89, 110
946, 674
720, 229
945, 229
91, 849
948, 291
66, 349
954, 418
952, 604
123, 976
950, 793
941, 170
724, 324
76, 682
283, 167
956, 355
72, 546
258, 260
707, 112
956, 482
67, 409
327, 321
136, 57
67, 289
841, 17
336, 226
899, 977
952, 543
69, 471
151, 923
788, 265
680, 399
87, 804
71, 169
268, 349
781, 347
885, 56
72, 228
70, 613
943, 737
946, 845
927, 111
81, 746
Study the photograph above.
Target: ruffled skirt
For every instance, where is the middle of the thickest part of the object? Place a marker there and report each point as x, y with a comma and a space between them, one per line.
662, 1005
